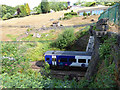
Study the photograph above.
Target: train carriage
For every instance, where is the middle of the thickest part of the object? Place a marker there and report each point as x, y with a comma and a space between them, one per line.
68, 58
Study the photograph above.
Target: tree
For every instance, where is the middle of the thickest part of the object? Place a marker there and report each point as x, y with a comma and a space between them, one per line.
37, 9
4, 9
27, 9
23, 10
45, 6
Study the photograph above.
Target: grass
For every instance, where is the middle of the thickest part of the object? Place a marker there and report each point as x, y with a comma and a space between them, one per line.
47, 35
37, 53
12, 37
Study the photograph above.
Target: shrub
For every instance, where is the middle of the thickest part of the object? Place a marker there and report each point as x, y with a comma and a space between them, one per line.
7, 16
71, 10
84, 14
67, 17
73, 13
89, 14
65, 39
65, 14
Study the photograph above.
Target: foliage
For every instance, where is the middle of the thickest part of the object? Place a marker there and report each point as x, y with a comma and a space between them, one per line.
29, 29
84, 14
45, 6
106, 47
37, 53
64, 39
69, 15
82, 32
105, 78
78, 2
23, 10
4, 9
27, 9
88, 4
38, 9
7, 16
12, 51
109, 3
89, 14
57, 6
71, 10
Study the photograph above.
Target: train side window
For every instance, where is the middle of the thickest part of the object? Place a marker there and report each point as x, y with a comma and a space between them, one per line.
53, 59
63, 60
47, 58
88, 60
72, 60
82, 60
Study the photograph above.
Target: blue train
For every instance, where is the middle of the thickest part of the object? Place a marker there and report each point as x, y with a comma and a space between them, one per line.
68, 58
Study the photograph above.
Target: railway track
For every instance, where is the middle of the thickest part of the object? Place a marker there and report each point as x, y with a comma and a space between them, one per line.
72, 72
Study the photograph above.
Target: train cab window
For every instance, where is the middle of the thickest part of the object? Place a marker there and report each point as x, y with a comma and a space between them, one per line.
72, 60
88, 60
63, 60
82, 60
53, 59
47, 58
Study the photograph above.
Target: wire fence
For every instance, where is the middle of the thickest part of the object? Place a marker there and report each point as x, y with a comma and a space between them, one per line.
112, 14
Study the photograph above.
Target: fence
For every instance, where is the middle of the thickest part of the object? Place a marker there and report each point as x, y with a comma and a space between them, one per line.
112, 14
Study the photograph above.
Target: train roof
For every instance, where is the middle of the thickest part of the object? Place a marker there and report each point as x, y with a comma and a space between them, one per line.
68, 53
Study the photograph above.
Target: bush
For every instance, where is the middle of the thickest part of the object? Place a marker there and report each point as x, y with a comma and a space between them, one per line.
70, 13
89, 14
67, 17
84, 14
71, 10
65, 39
7, 16
73, 13
65, 14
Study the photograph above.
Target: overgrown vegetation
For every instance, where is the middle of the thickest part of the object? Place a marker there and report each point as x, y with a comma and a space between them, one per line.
64, 39
106, 74
37, 53
58, 6
105, 77
69, 15
17, 73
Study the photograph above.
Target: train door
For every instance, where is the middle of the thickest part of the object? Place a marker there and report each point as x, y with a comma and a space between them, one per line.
54, 60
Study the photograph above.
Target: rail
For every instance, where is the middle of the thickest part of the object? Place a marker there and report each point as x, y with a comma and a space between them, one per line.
112, 14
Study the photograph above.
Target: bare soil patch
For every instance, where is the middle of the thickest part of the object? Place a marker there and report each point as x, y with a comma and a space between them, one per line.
38, 21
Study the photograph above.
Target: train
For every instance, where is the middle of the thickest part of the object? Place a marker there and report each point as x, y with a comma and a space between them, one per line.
68, 58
